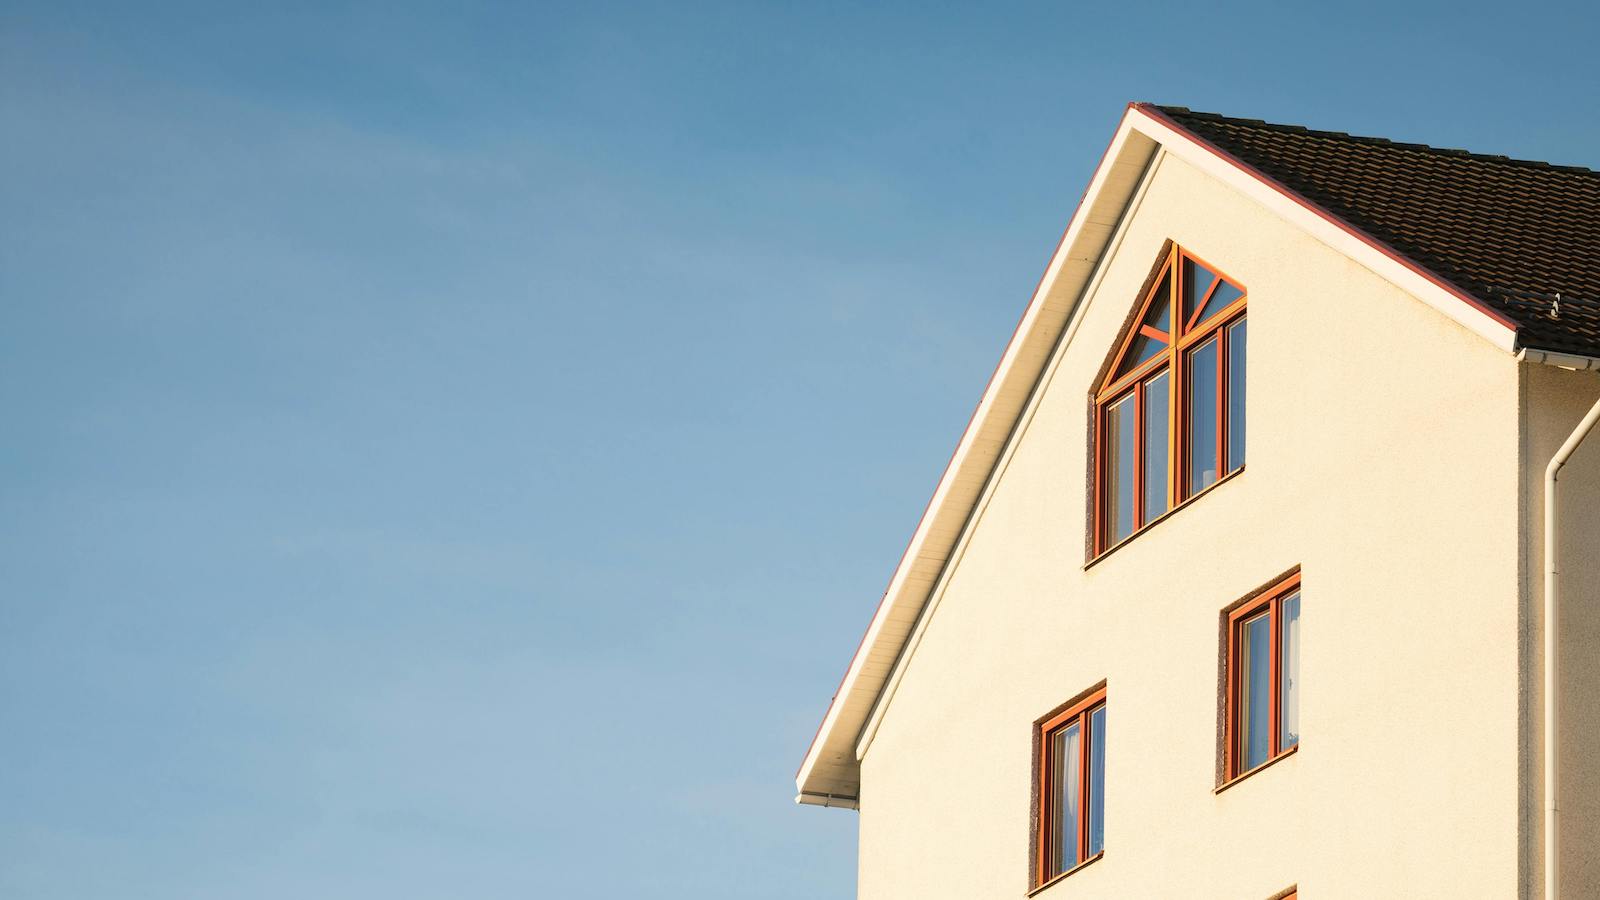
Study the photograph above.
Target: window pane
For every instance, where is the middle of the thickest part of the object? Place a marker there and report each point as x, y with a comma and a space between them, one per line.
1142, 350
1064, 774
1160, 314
1097, 781
1224, 295
1236, 347
1289, 688
1197, 280
1118, 496
1202, 437
1255, 688
1145, 348
1155, 446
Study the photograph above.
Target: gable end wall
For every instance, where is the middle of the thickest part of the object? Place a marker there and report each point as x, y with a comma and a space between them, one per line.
1383, 459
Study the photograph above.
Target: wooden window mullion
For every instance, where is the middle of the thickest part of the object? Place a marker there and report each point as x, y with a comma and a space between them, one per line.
1177, 461
1175, 266
1194, 319
1138, 457
1222, 400
1173, 444
1083, 786
1180, 423
1175, 387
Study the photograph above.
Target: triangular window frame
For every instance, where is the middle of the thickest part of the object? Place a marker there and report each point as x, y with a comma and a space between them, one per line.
1160, 292
1164, 373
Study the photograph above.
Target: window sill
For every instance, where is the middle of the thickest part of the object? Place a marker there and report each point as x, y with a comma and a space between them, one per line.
1261, 768
1163, 517
1063, 876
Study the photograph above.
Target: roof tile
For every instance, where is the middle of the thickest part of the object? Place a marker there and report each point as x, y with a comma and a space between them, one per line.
1511, 233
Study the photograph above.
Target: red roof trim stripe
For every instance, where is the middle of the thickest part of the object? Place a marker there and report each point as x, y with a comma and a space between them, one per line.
1154, 112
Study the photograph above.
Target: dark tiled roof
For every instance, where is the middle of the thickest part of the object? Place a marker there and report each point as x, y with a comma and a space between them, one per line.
1510, 233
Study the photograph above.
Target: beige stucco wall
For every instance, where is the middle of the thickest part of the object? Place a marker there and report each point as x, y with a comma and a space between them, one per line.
1554, 401
1383, 458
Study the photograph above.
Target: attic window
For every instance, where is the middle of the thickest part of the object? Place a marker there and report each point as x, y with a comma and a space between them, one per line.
1170, 414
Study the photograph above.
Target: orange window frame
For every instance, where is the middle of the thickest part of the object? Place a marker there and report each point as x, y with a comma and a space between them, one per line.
1270, 601
1045, 827
1185, 336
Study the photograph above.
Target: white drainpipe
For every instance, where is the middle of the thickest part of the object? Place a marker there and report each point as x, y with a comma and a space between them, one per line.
1552, 624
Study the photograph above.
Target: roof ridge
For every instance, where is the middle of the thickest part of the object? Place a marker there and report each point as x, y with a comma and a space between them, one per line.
1183, 112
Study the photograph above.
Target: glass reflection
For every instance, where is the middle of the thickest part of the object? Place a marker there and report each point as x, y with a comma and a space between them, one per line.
1203, 416
1065, 775
1220, 298
1160, 314
1097, 781
1255, 688
1289, 686
1237, 340
1143, 349
1155, 446
1197, 280
1121, 437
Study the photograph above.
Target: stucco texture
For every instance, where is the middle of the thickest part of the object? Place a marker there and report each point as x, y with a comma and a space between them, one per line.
1384, 459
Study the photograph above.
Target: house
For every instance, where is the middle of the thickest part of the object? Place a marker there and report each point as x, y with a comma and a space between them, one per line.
1236, 583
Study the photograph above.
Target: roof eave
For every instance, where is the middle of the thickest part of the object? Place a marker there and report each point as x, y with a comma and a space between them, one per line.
1573, 361
830, 767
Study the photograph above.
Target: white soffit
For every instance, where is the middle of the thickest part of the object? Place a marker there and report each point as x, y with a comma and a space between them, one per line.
830, 774
830, 767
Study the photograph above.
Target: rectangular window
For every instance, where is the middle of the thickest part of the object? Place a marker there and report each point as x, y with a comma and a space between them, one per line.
1263, 695
1072, 777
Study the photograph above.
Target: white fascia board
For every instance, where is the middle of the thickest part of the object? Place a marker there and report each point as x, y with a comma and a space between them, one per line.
886, 694
830, 765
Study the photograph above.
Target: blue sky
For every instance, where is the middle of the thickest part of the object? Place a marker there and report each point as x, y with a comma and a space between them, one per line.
452, 450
